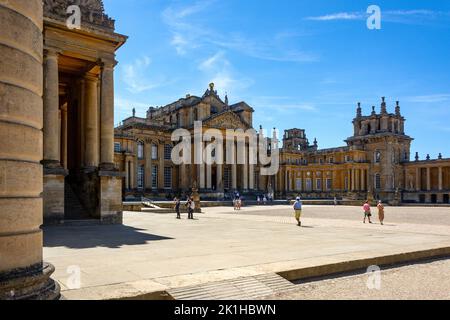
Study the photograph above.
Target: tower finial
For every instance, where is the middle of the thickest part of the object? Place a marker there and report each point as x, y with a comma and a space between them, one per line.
397, 109
383, 105
373, 111
359, 111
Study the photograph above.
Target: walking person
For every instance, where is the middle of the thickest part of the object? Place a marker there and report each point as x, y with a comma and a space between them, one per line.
367, 213
380, 207
189, 207
298, 210
177, 204
335, 201
192, 207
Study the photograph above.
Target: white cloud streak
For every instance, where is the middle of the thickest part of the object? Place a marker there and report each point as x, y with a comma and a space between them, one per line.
188, 33
135, 76
398, 16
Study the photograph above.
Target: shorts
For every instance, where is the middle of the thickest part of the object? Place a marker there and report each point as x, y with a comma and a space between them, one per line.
298, 214
367, 214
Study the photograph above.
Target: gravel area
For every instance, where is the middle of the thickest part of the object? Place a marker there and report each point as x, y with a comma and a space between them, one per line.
421, 281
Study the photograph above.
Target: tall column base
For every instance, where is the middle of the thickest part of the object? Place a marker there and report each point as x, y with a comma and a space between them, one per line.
53, 196
111, 209
32, 283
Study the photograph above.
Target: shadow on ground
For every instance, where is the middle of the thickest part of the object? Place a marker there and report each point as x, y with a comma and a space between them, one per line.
113, 236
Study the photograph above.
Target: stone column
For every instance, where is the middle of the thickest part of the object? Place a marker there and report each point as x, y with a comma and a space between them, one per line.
251, 177
91, 122
245, 176
208, 177
428, 179
148, 166
23, 275
418, 179
353, 180
127, 173
64, 136
107, 117
234, 176
440, 178
363, 180
51, 109
219, 175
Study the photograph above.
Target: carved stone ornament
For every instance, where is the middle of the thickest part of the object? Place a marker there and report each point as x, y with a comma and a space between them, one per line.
227, 121
92, 12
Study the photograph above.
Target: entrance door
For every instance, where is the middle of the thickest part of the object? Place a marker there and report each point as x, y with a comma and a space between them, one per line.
446, 198
433, 198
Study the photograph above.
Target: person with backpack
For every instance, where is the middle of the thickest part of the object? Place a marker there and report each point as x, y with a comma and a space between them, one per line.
298, 210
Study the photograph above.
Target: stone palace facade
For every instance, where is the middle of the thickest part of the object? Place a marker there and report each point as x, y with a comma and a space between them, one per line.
374, 163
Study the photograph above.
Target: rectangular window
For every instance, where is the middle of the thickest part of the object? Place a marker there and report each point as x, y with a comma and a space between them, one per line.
167, 152
140, 150
378, 181
319, 184
117, 147
167, 177
331, 160
140, 177
154, 177
329, 184
308, 184
154, 152
299, 184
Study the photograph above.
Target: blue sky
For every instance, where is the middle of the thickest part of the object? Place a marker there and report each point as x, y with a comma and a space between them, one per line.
301, 64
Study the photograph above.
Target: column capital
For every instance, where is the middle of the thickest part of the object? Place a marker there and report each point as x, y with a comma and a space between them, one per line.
91, 77
50, 52
107, 64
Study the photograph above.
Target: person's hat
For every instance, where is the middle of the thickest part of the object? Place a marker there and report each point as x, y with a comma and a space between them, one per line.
298, 198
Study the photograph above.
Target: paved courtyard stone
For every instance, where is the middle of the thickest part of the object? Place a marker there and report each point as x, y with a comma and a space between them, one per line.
156, 252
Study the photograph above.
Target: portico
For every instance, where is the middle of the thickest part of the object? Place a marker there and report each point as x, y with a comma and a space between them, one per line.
80, 180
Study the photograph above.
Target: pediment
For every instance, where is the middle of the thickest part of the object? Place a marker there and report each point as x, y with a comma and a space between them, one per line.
227, 120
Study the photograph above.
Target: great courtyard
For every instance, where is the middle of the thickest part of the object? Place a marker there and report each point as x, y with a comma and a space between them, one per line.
155, 256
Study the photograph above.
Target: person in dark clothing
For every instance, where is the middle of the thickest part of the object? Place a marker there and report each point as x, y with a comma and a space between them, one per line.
191, 207
177, 207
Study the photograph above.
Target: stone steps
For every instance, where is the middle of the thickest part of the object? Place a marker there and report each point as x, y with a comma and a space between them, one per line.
73, 208
244, 288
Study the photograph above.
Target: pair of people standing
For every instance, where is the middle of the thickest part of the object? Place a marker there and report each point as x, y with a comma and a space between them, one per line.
368, 214
190, 204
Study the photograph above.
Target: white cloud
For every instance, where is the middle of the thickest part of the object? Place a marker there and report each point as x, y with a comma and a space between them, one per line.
188, 33
136, 79
219, 70
338, 16
398, 16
